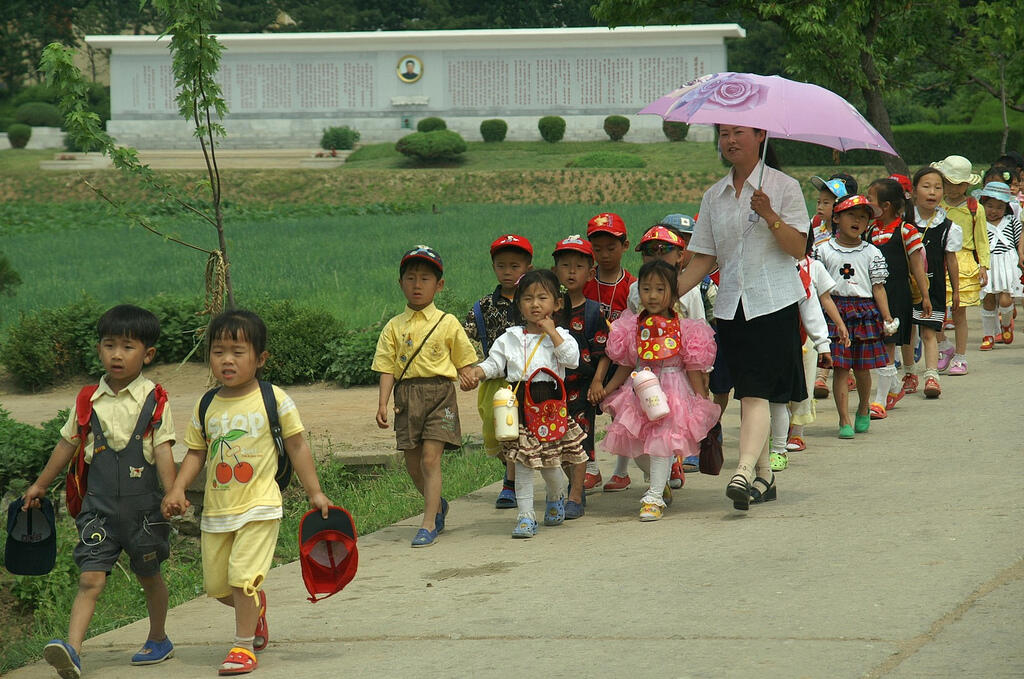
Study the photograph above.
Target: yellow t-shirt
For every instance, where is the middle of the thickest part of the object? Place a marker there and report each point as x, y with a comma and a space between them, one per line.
241, 459
118, 414
447, 349
974, 228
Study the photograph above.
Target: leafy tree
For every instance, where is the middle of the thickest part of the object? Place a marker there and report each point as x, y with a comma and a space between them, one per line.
26, 26
112, 17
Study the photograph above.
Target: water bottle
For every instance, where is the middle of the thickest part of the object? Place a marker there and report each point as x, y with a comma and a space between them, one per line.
506, 415
652, 397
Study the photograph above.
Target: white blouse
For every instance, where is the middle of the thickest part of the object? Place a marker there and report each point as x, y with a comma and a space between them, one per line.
811, 313
855, 270
509, 353
755, 270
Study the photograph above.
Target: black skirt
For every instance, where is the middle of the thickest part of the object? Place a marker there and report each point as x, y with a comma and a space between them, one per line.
764, 355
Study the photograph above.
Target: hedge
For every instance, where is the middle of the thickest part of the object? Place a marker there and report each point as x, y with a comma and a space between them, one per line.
608, 159
427, 147
343, 138
675, 131
918, 144
616, 127
493, 130
552, 128
431, 124
38, 114
18, 134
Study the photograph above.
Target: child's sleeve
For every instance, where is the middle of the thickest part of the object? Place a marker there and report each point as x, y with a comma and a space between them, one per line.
287, 414
568, 352
621, 345
165, 432
698, 344
384, 355
954, 238
878, 271
496, 363
469, 325
69, 432
459, 346
194, 434
981, 238
823, 282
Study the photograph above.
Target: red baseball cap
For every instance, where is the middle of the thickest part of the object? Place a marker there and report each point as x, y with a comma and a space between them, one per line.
663, 235
327, 551
606, 222
904, 181
574, 243
510, 240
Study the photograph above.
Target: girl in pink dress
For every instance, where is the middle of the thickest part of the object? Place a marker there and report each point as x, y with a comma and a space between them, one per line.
659, 340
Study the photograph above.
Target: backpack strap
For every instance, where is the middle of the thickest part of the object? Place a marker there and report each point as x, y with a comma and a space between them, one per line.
270, 405
83, 406
481, 327
972, 206
204, 405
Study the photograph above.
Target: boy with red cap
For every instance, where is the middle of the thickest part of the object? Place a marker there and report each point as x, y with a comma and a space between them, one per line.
490, 317
610, 287
419, 355
574, 266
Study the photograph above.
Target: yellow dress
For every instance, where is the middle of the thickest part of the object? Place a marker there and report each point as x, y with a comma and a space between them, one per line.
972, 256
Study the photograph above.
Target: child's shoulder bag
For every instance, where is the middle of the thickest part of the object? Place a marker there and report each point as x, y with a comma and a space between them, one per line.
547, 420
284, 463
77, 478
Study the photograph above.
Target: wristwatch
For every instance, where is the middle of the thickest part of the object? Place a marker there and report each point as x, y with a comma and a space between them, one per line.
777, 224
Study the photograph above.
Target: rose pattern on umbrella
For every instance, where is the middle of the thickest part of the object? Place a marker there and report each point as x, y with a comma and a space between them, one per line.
722, 91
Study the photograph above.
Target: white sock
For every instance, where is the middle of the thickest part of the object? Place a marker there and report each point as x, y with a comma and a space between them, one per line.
797, 430
895, 381
780, 426
553, 479
989, 323
660, 469
959, 357
945, 345
524, 491
621, 466
592, 467
1006, 314
882, 380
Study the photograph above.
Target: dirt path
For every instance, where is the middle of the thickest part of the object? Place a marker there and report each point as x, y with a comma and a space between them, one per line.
341, 418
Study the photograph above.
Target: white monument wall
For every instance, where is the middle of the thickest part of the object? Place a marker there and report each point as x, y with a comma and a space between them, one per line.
283, 89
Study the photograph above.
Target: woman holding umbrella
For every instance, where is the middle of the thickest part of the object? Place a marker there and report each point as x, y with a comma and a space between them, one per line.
754, 223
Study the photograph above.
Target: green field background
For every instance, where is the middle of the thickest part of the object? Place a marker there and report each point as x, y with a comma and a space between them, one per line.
347, 265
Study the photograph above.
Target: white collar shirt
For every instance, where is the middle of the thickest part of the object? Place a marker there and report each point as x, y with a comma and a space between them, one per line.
755, 270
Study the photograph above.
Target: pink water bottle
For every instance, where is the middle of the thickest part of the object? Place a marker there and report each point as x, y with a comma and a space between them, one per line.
652, 398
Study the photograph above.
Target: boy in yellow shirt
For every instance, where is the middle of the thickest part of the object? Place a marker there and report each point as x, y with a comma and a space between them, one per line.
419, 355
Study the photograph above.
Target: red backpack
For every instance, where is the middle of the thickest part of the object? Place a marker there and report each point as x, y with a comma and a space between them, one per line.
76, 482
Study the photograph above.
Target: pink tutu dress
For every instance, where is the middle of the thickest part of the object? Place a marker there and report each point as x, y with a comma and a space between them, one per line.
691, 417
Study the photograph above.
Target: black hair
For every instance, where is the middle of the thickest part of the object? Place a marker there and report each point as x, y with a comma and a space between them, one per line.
848, 181
658, 268
889, 191
909, 215
771, 158
810, 242
547, 279
1001, 172
563, 253
512, 248
622, 239
127, 320
1011, 159
419, 261
410, 61
238, 324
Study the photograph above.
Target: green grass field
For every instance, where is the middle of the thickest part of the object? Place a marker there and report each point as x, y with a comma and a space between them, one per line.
347, 265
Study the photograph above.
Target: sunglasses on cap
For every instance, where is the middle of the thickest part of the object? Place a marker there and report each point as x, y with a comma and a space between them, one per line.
655, 249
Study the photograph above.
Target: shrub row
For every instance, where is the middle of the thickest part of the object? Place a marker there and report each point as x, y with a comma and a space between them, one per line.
918, 144
39, 114
24, 449
305, 344
335, 138
552, 129
433, 146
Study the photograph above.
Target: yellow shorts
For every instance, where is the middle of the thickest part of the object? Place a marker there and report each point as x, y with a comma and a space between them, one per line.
239, 559
970, 280
485, 406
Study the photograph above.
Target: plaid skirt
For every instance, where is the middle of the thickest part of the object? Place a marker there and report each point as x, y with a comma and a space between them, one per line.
863, 322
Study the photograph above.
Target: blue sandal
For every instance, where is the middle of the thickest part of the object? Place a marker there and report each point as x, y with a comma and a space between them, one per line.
507, 497
554, 512
154, 652
573, 509
63, 658
441, 515
525, 528
424, 538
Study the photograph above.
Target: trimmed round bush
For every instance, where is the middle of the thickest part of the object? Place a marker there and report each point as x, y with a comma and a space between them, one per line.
616, 127
18, 134
5, 122
552, 128
494, 129
427, 147
607, 159
675, 131
38, 114
431, 125
339, 138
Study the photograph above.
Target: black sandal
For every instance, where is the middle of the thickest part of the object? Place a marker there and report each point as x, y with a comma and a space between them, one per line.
769, 494
738, 491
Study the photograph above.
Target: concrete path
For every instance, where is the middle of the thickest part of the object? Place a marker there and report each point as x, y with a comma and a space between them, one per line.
896, 555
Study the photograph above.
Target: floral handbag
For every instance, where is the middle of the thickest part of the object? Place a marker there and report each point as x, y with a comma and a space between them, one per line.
547, 420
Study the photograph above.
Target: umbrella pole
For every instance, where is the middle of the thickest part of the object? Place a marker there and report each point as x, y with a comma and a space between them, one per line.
764, 154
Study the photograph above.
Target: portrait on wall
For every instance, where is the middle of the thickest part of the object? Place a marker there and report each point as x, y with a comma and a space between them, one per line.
409, 68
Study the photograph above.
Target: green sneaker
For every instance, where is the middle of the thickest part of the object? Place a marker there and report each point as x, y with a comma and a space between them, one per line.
861, 423
778, 461
846, 431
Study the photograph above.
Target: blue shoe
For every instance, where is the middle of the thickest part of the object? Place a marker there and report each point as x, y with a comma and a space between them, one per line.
424, 538
63, 658
441, 515
573, 510
918, 348
525, 528
153, 652
554, 512
691, 464
506, 498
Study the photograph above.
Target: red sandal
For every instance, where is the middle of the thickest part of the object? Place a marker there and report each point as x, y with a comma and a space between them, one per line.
242, 657
262, 635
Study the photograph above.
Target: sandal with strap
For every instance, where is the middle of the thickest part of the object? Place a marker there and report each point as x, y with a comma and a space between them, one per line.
262, 635
757, 496
238, 661
738, 491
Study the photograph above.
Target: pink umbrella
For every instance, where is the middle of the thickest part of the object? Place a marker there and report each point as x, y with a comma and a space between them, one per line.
784, 108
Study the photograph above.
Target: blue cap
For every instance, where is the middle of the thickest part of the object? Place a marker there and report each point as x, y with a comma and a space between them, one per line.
31, 547
837, 187
677, 220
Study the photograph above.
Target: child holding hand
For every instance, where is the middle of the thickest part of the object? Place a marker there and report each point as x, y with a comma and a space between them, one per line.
548, 438
659, 340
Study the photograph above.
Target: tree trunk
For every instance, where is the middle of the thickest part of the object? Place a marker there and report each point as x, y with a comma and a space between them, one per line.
878, 115
1002, 101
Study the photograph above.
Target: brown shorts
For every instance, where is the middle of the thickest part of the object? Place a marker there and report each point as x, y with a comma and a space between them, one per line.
426, 410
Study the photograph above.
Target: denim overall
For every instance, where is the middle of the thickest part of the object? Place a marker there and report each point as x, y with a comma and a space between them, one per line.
121, 509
